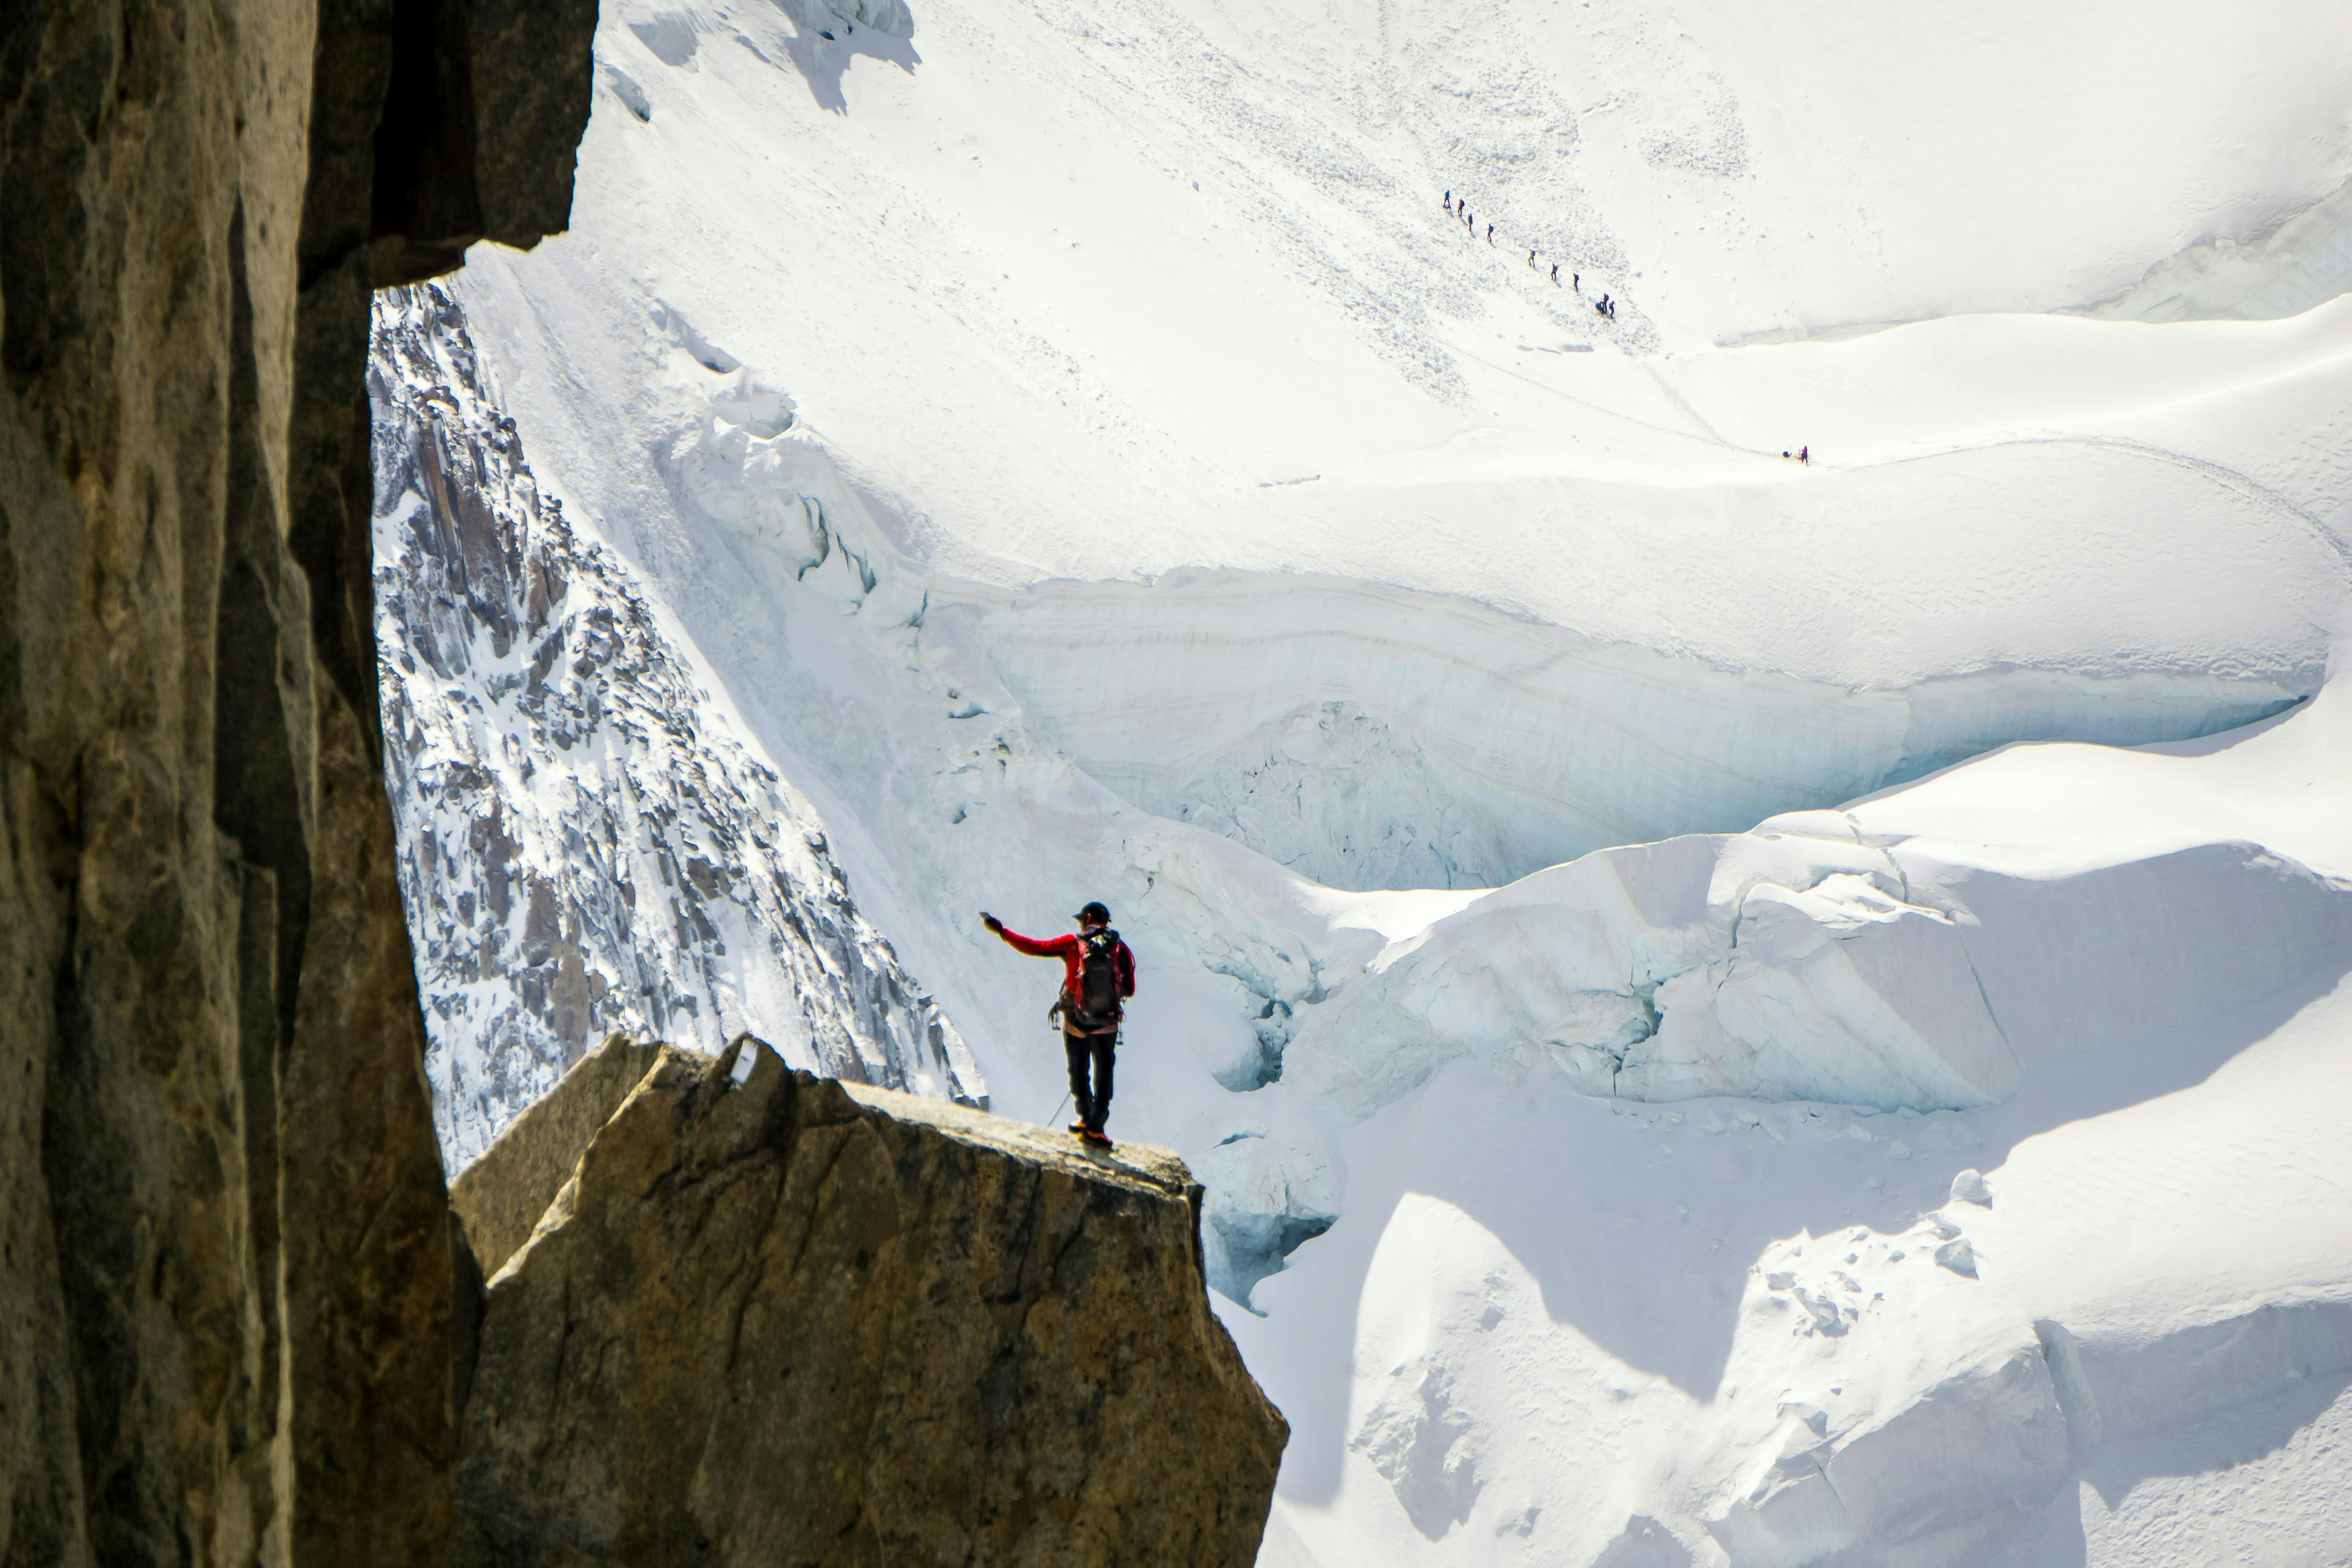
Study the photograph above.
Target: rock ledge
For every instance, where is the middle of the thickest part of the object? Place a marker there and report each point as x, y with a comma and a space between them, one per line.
790, 1321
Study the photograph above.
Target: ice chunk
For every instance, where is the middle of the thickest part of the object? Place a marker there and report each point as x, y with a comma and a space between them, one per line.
1971, 1187
1858, 1000
1266, 1196
1787, 968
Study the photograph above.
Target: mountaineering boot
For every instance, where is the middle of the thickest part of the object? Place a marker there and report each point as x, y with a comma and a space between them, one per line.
1096, 1135
1077, 1127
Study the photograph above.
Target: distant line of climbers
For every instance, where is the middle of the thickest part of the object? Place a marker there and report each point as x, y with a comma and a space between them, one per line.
1604, 306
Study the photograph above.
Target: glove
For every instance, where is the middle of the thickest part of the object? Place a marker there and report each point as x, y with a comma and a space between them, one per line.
990, 922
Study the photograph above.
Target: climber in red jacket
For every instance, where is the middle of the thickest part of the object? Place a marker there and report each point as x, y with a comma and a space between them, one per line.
1097, 977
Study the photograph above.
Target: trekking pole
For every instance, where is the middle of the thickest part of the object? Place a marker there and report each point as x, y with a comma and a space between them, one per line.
1055, 1119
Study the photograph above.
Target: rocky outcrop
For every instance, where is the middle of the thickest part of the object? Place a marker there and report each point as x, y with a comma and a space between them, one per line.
498, 1199
775, 1319
226, 1276
589, 840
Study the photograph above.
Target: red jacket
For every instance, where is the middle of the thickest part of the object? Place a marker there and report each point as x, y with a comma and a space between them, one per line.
1065, 948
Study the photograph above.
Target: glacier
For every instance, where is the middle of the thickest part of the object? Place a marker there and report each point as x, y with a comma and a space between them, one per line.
1728, 1013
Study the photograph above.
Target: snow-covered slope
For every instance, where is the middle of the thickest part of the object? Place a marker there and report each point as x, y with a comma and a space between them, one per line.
1082, 301
587, 843
1074, 450
1786, 1326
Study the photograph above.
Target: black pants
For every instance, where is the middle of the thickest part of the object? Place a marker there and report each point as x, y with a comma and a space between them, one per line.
1094, 1105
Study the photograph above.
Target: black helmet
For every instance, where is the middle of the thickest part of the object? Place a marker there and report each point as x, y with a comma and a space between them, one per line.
1095, 913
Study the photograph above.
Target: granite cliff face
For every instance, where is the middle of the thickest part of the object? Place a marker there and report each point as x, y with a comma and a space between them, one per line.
770, 1318
588, 841
225, 1260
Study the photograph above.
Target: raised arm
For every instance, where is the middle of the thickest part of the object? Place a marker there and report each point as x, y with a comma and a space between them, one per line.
1049, 948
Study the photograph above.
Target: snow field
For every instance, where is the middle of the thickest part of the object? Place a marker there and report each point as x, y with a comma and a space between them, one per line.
1935, 1399
1597, 1346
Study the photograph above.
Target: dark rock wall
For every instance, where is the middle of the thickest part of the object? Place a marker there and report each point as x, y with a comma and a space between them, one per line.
224, 1269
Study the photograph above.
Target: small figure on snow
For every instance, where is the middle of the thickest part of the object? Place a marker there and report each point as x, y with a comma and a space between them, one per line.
1555, 274
1805, 456
1490, 234
1097, 977
1575, 280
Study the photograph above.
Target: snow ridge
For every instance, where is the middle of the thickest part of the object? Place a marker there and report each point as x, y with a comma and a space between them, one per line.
588, 843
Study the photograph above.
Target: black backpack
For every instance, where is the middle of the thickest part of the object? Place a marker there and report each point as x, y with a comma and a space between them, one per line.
1097, 1005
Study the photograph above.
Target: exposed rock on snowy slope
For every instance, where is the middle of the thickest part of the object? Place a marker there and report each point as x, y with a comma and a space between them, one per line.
588, 842
773, 1317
